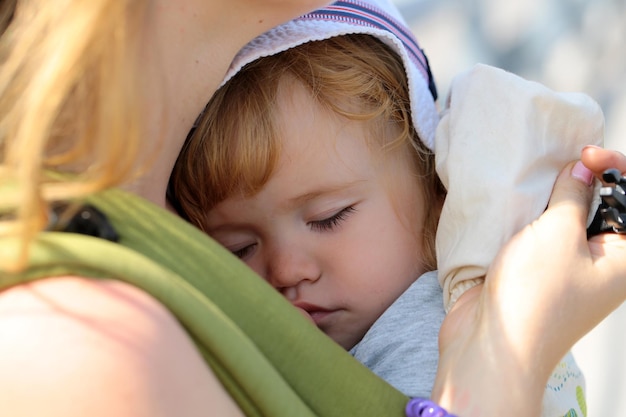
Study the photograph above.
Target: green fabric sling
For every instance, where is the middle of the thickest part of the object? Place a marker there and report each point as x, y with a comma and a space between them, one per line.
272, 361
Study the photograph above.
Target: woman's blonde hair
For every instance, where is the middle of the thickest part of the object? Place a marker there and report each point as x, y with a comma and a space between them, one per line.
234, 148
69, 104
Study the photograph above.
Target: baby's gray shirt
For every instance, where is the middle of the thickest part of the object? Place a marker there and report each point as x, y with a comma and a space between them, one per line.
402, 345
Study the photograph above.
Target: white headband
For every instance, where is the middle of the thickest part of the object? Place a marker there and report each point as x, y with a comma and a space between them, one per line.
378, 18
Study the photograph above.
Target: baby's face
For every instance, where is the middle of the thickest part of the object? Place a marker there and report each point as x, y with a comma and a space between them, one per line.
326, 230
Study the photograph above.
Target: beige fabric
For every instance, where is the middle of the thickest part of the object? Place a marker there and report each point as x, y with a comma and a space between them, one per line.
501, 142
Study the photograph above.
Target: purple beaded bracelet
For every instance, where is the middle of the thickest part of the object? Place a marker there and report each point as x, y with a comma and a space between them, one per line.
423, 407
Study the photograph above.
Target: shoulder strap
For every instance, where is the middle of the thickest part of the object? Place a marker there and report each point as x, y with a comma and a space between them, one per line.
270, 359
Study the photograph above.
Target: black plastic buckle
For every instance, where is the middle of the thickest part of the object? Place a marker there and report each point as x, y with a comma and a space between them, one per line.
84, 219
611, 213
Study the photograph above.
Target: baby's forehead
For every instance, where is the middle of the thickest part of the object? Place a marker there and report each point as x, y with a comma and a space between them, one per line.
342, 117
292, 91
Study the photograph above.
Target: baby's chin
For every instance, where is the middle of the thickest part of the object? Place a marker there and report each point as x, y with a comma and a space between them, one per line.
347, 345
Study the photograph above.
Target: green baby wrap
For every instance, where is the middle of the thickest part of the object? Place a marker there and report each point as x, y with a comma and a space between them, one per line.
271, 360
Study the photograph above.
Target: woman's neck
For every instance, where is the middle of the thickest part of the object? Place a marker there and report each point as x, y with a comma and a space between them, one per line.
187, 47
181, 65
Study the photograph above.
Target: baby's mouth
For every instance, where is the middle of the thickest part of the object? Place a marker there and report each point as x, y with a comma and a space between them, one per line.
314, 313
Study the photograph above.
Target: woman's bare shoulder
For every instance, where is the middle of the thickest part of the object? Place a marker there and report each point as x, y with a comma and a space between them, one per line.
71, 346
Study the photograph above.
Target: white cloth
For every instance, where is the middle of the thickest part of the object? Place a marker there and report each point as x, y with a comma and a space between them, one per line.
499, 147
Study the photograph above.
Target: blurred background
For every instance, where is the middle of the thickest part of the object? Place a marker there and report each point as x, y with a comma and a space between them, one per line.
568, 45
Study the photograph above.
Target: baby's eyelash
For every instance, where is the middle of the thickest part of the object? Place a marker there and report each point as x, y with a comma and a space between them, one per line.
331, 222
243, 252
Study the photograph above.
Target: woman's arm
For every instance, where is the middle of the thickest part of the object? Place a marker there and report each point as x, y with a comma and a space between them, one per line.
547, 288
78, 347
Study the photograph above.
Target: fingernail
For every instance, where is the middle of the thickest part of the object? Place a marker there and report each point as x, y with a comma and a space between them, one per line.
582, 173
591, 147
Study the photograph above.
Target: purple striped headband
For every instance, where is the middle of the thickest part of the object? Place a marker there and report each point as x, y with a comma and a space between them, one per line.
363, 14
379, 18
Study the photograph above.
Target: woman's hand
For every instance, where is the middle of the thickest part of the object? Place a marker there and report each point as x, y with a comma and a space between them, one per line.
546, 289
